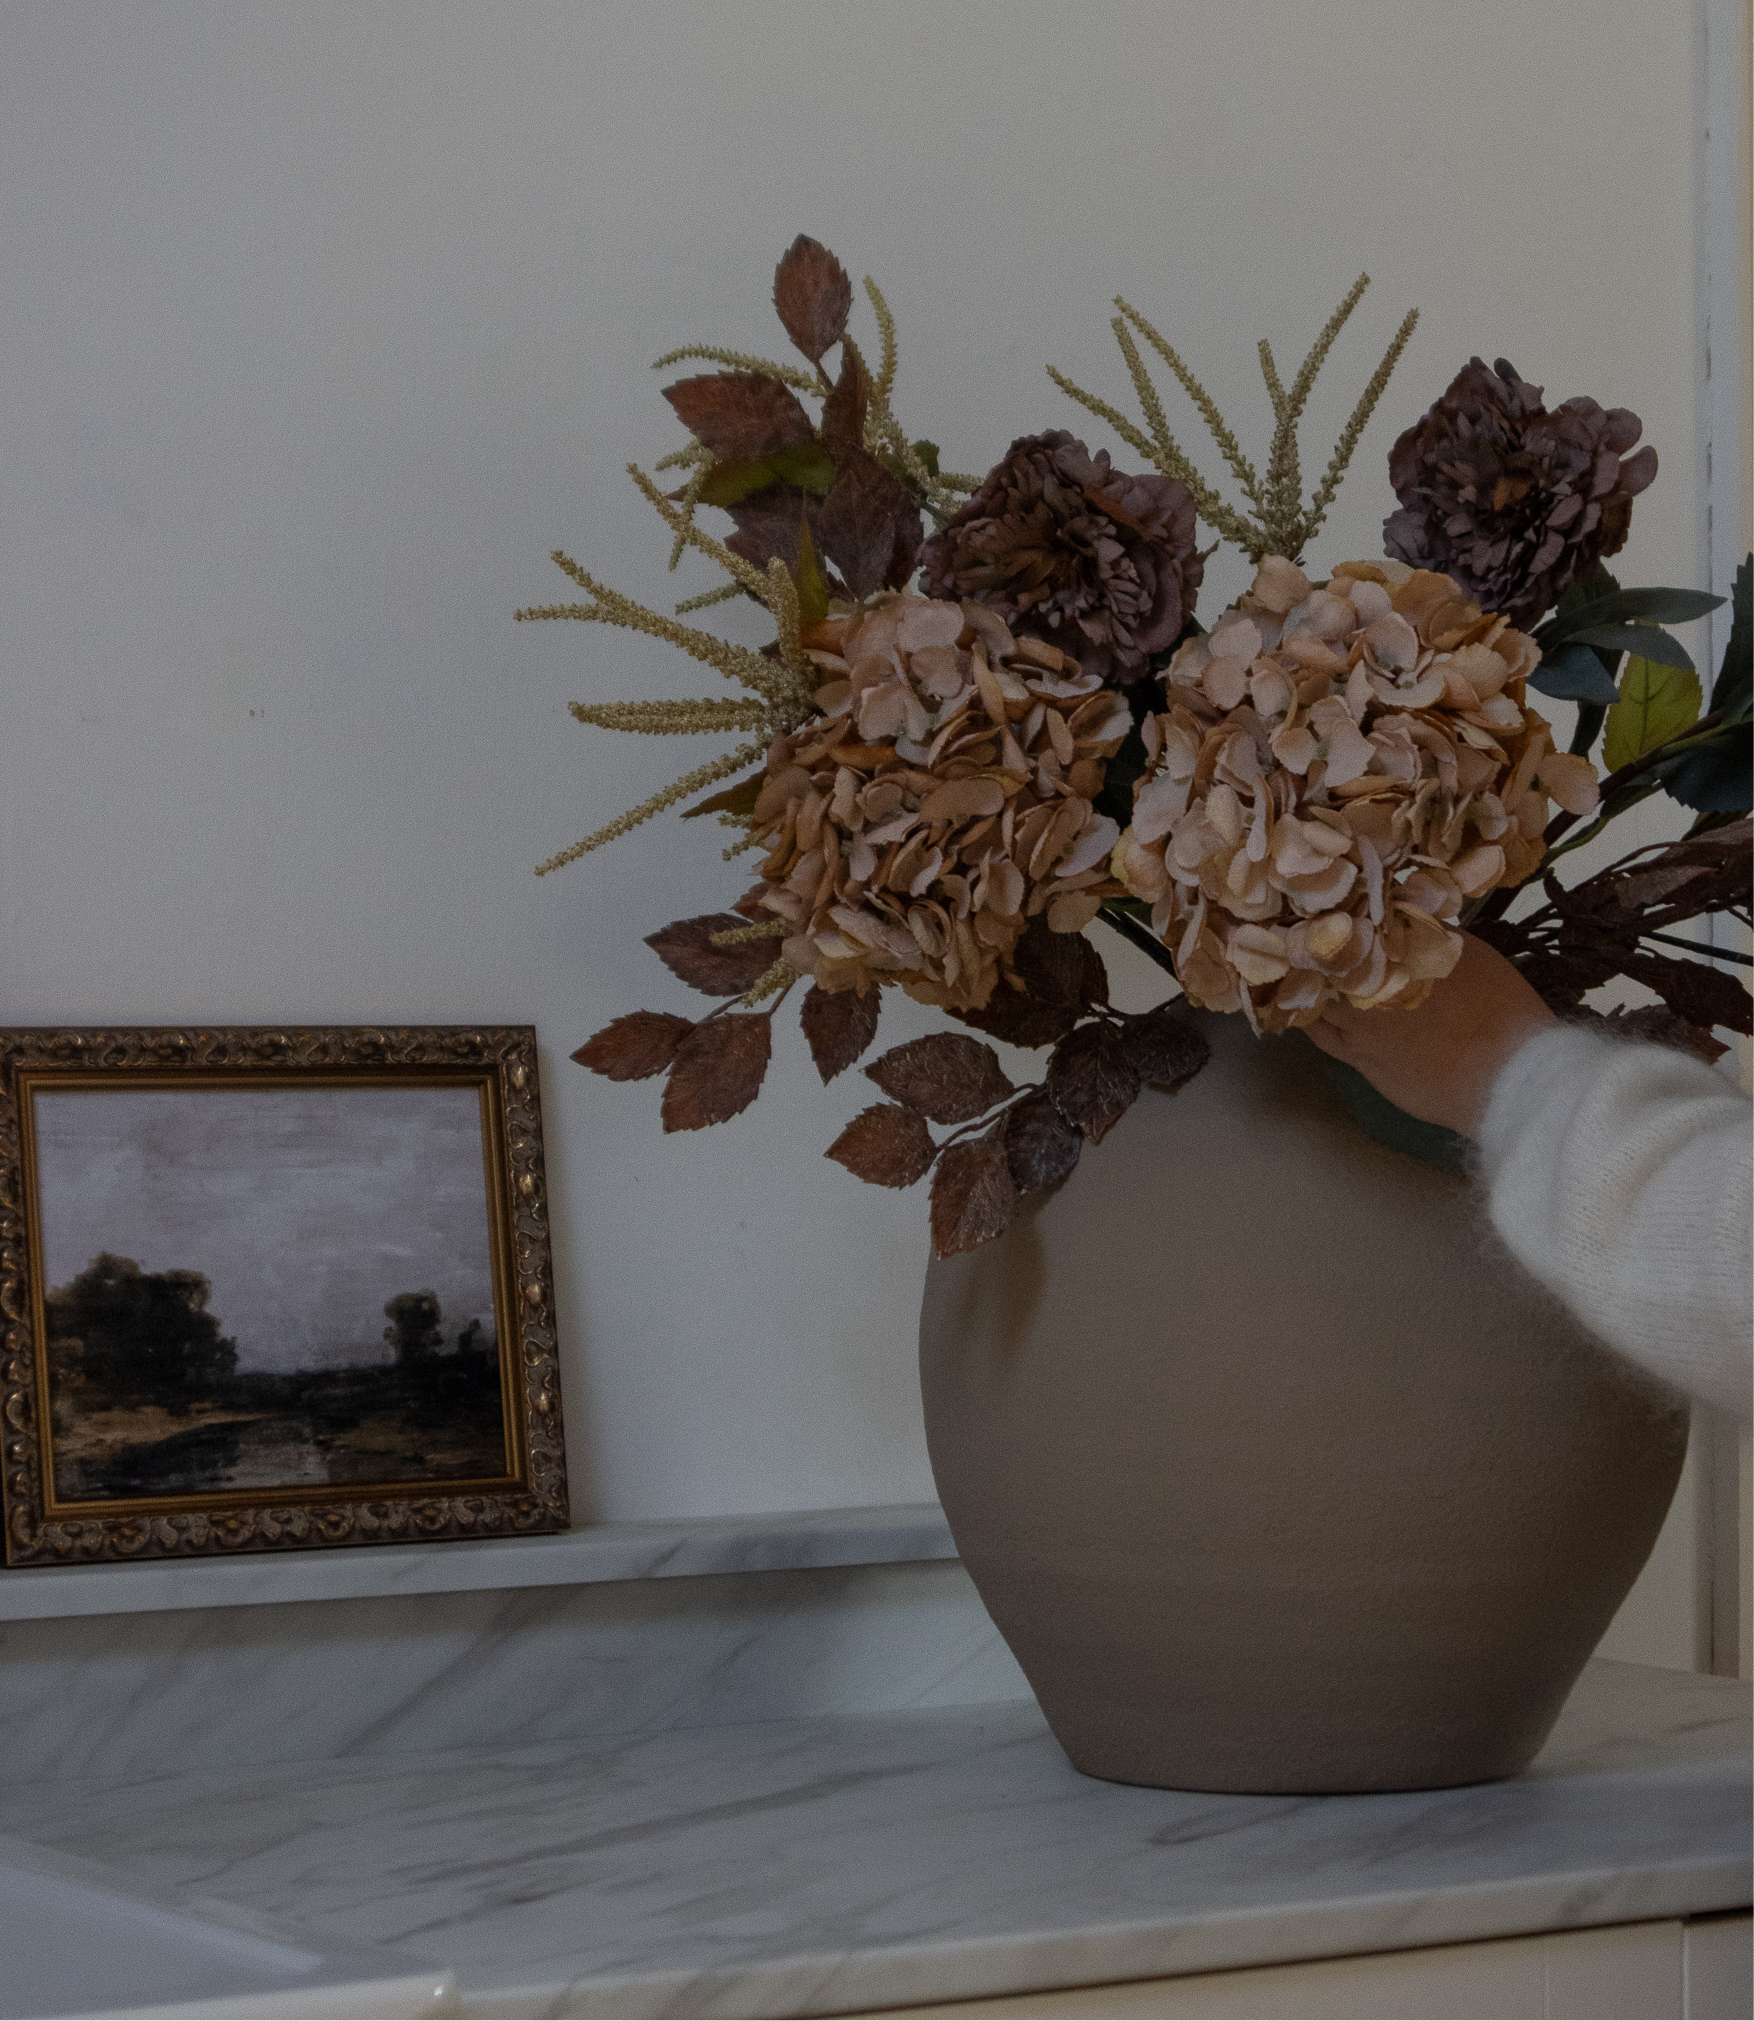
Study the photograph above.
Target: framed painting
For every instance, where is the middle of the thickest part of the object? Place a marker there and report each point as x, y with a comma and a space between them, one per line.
269, 1289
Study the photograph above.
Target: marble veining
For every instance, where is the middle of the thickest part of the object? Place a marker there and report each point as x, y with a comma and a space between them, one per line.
238, 1687
590, 1555
804, 1866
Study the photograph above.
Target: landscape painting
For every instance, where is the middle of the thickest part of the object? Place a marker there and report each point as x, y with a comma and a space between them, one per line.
267, 1290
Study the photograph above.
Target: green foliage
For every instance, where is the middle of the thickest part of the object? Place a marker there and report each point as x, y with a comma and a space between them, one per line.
1597, 622
1733, 692
805, 464
1578, 673
1717, 777
129, 1337
1657, 702
808, 576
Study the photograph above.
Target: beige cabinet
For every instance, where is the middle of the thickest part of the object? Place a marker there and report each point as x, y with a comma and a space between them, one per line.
1645, 1971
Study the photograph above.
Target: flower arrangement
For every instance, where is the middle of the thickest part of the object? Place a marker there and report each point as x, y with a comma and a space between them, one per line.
961, 750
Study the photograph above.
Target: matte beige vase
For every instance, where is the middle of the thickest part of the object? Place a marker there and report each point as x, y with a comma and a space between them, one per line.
1273, 1468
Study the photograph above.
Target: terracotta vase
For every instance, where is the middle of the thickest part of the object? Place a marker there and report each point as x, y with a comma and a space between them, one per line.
1273, 1468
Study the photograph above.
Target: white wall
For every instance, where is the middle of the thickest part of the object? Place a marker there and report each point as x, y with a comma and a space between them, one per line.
324, 320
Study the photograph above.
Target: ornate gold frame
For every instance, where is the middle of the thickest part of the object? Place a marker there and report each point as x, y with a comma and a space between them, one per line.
531, 1494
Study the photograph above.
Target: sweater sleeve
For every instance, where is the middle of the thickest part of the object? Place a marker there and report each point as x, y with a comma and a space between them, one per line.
1620, 1175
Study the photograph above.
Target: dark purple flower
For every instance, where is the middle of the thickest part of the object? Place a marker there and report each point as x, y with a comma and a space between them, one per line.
1065, 549
1510, 500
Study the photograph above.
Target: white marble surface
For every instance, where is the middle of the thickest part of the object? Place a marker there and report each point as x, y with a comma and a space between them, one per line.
73, 1940
592, 1555
235, 1687
831, 1865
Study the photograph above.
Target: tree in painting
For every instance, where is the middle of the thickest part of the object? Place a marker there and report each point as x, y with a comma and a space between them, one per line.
415, 1330
132, 1336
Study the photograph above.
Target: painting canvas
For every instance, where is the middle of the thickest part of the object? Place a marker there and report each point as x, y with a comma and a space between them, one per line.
269, 1288
286, 1292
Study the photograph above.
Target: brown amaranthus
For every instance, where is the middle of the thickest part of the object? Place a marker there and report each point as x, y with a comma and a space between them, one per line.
941, 801
1338, 771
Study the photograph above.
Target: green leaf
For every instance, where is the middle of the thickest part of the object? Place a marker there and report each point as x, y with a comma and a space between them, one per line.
927, 452
1575, 673
1718, 777
738, 799
1642, 639
806, 464
1733, 691
1630, 606
1656, 702
812, 589
1664, 606
1597, 599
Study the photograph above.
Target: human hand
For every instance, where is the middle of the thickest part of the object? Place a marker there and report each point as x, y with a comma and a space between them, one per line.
1439, 1062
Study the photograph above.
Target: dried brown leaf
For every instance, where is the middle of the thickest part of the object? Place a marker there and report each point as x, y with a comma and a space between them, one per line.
1657, 1023
1062, 976
813, 295
1163, 1046
843, 411
839, 1026
1694, 990
634, 1047
869, 526
718, 1070
769, 525
740, 415
686, 949
1041, 1147
946, 1077
1091, 1080
885, 1145
738, 799
973, 1198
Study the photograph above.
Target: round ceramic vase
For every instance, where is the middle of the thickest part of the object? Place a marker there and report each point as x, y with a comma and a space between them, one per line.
1274, 1469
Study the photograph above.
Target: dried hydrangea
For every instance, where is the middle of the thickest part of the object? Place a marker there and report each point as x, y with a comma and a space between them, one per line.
940, 802
1511, 500
1337, 771
1098, 563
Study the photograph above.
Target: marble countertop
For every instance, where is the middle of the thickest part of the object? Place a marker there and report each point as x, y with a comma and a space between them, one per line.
898, 1534
823, 1866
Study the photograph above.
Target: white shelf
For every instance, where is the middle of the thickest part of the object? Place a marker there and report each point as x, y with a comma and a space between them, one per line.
600, 1552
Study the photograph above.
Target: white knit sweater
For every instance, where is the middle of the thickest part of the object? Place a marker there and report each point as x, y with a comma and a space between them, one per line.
1620, 1175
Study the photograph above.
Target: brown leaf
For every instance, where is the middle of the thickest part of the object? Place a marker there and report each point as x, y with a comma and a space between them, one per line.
839, 1026
751, 907
718, 1071
634, 1047
686, 949
738, 799
1694, 990
1041, 1147
1657, 1023
885, 1145
973, 1198
946, 1077
1062, 976
740, 414
813, 295
869, 526
843, 411
1092, 1081
1163, 1047
770, 524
